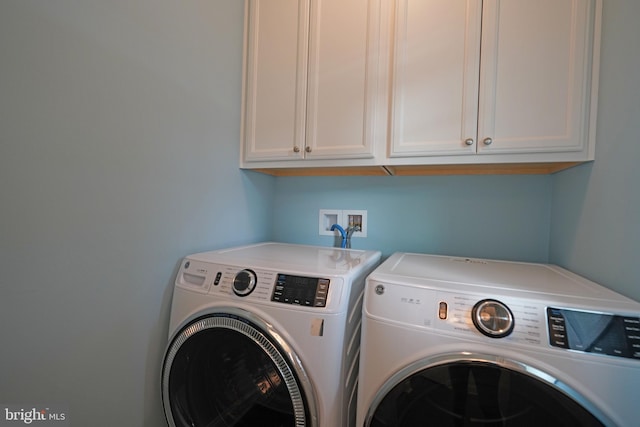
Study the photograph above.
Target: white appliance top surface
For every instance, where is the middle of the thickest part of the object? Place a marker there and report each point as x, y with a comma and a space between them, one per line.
293, 257
470, 274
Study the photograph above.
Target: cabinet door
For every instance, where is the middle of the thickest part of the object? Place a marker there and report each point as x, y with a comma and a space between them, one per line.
435, 77
276, 79
534, 91
344, 64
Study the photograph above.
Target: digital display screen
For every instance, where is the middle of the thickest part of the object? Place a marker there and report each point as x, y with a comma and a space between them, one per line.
589, 332
299, 290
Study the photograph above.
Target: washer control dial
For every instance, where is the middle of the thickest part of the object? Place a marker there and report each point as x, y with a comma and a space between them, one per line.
244, 283
492, 318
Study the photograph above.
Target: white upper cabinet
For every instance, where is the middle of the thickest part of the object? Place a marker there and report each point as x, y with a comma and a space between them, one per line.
435, 76
500, 80
311, 84
275, 80
401, 84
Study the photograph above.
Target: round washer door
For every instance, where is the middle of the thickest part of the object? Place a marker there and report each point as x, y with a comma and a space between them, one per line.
476, 392
232, 369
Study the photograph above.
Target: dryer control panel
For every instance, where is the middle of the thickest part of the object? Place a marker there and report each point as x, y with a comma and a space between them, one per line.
453, 313
594, 332
506, 319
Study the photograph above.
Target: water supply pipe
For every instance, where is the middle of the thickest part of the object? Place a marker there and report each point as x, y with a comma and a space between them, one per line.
342, 233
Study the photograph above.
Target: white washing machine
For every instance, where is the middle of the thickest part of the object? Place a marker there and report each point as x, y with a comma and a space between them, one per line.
266, 335
469, 342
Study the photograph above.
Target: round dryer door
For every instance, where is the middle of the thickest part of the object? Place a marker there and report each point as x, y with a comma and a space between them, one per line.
226, 370
475, 393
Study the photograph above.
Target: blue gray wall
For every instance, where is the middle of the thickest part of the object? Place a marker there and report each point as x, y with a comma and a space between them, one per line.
119, 130
595, 226
480, 216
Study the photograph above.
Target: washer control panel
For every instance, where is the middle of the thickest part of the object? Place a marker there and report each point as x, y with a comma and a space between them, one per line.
258, 285
299, 290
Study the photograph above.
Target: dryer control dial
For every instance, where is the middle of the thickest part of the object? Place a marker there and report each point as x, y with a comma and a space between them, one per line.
492, 318
244, 283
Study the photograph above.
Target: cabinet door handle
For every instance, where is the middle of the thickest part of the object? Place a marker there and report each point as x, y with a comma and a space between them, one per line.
468, 141
307, 149
296, 149
487, 141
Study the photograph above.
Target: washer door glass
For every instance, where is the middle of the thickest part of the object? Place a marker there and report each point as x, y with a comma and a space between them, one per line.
224, 371
477, 394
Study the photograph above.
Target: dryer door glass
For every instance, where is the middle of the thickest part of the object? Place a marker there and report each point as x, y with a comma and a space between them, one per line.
477, 394
224, 371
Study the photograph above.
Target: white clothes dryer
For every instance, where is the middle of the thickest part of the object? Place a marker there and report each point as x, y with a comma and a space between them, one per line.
265, 335
469, 342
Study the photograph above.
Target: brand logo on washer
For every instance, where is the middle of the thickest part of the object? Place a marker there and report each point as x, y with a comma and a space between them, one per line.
380, 289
